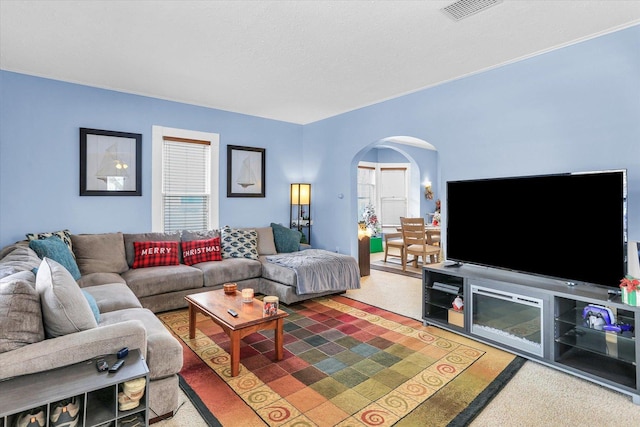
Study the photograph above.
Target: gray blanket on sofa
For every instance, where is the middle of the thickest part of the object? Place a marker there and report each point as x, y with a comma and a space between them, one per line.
318, 270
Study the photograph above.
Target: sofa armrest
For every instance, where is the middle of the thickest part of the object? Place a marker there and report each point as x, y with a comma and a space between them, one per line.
73, 348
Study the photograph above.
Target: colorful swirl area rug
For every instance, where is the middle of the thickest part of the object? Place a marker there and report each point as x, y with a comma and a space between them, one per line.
345, 363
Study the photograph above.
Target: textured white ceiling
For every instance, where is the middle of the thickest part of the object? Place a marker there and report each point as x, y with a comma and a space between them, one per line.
296, 61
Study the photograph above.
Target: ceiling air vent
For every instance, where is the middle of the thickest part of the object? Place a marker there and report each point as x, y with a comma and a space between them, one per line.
463, 8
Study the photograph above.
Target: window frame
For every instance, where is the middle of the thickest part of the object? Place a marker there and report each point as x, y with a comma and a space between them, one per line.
159, 133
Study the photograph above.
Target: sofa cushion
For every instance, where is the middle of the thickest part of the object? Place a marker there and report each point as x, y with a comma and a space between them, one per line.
93, 279
64, 235
64, 308
154, 254
266, 244
20, 258
100, 253
146, 237
195, 251
113, 297
286, 239
229, 270
161, 280
54, 248
279, 273
238, 243
20, 314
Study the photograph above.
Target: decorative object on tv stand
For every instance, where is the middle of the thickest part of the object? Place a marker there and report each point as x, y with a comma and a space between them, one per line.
300, 210
630, 287
245, 171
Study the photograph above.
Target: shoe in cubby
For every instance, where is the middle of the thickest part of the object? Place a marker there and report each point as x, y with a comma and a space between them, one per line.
32, 418
136, 420
66, 413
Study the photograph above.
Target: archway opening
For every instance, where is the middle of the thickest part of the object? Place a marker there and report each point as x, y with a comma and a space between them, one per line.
421, 159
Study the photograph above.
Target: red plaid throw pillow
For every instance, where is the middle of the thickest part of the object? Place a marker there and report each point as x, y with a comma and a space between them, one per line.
151, 254
196, 251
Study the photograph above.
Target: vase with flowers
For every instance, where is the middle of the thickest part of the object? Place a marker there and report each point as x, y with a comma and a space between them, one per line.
630, 287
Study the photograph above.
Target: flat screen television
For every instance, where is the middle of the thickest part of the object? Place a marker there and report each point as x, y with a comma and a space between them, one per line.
569, 226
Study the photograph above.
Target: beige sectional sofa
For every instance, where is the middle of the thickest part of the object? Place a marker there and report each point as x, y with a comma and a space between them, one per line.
127, 299
123, 322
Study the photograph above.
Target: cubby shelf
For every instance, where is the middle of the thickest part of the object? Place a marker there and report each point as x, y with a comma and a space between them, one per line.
96, 392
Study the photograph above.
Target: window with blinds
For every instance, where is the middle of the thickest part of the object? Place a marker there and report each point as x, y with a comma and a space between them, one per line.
186, 189
393, 195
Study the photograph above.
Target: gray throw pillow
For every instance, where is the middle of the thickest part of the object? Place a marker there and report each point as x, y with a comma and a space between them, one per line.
100, 253
20, 314
65, 309
266, 244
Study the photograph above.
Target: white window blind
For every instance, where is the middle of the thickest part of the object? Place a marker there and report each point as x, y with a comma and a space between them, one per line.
366, 188
186, 191
393, 195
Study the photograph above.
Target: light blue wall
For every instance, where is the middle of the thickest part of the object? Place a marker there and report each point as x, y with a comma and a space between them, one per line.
572, 109
39, 157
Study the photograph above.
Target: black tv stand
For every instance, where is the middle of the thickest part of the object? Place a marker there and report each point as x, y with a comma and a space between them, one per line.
557, 334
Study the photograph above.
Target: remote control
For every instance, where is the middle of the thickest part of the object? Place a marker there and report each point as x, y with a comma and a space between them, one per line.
101, 365
232, 312
116, 366
122, 353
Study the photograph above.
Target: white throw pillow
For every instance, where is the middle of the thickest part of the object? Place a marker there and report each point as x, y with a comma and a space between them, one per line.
65, 309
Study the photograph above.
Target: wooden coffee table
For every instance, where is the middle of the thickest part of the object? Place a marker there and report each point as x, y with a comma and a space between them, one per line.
250, 319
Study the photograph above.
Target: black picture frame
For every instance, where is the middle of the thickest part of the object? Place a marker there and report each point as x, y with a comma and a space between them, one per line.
110, 163
245, 171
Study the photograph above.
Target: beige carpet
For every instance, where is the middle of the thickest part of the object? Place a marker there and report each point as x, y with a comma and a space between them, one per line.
536, 396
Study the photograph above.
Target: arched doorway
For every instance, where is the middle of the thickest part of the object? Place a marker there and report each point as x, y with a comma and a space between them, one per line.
422, 158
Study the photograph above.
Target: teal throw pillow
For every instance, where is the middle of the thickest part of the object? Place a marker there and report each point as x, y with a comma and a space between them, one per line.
93, 304
286, 239
54, 248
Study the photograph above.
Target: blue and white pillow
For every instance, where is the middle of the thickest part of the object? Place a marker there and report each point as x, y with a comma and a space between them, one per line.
236, 243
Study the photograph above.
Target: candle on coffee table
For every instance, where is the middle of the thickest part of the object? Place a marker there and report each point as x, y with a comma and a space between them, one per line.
247, 295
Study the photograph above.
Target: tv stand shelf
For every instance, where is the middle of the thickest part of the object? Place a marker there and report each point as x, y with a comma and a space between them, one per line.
542, 320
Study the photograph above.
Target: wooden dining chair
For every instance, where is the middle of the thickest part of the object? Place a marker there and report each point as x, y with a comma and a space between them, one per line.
415, 242
433, 236
393, 241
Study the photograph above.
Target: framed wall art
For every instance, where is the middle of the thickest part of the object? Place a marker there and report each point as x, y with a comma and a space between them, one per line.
110, 163
245, 171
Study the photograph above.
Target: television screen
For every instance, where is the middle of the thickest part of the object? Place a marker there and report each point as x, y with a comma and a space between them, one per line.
567, 226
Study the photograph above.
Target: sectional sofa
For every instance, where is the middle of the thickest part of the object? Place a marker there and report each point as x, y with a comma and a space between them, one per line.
124, 279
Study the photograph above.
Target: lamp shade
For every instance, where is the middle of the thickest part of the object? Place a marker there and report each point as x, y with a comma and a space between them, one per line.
300, 194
